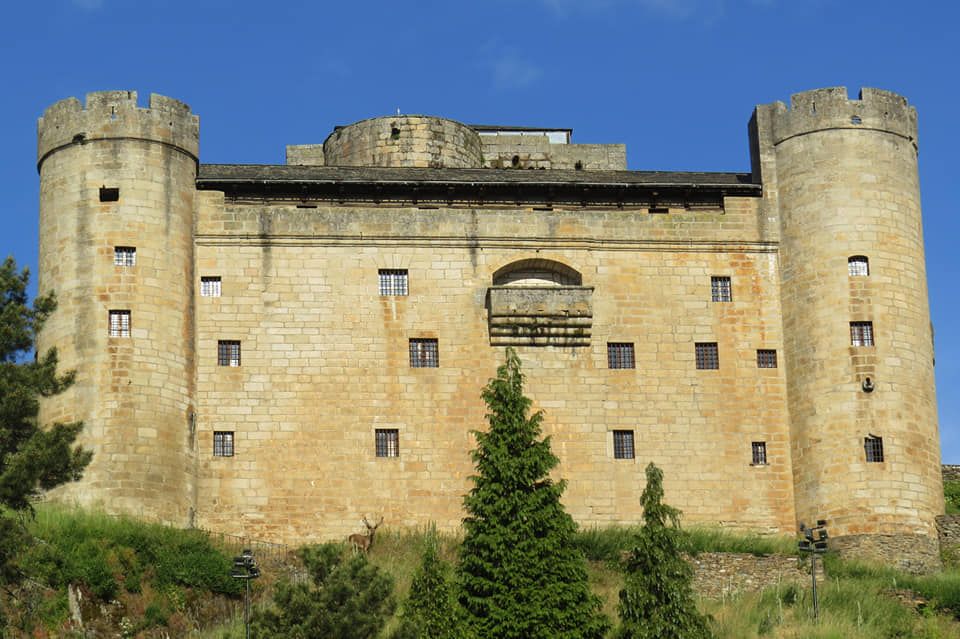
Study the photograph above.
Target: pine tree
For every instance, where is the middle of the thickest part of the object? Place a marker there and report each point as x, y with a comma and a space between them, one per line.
520, 575
657, 600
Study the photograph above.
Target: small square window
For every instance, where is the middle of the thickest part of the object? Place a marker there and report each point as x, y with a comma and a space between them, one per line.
223, 443
707, 355
228, 352
394, 281
424, 353
758, 453
721, 289
766, 358
861, 333
858, 266
124, 255
623, 444
388, 442
119, 324
620, 355
210, 286
109, 194
873, 446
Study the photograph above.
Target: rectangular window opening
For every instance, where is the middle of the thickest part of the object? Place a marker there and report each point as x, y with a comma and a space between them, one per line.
861, 333
228, 352
119, 324
708, 357
766, 358
223, 443
858, 266
388, 442
125, 256
210, 286
424, 353
873, 446
758, 453
394, 281
620, 355
623, 444
109, 194
721, 289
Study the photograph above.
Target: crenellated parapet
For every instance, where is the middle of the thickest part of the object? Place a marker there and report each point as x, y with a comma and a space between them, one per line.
115, 115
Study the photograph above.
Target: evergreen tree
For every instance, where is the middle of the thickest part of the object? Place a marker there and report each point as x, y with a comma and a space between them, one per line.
657, 600
431, 611
520, 575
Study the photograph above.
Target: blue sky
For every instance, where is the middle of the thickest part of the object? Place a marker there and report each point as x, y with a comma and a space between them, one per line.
676, 80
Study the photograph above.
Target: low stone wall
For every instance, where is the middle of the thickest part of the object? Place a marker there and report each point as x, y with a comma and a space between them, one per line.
951, 472
911, 553
721, 574
948, 528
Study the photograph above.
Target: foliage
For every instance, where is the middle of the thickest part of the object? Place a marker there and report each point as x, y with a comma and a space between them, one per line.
951, 491
349, 599
431, 611
520, 574
657, 600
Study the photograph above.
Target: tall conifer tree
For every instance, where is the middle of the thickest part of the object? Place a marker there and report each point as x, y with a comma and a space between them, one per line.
520, 575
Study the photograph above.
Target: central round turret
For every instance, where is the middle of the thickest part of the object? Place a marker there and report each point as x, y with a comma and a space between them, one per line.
404, 140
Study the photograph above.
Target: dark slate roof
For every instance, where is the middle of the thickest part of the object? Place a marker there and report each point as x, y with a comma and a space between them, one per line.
347, 182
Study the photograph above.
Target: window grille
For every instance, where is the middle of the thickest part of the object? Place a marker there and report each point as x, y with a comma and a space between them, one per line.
119, 324
623, 444
424, 353
858, 266
620, 355
720, 289
707, 355
124, 256
873, 446
223, 443
861, 333
228, 352
759, 453
394, 281
388, 442
766, 358
210, 286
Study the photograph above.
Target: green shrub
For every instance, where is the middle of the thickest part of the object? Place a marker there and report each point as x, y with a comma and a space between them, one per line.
951, 492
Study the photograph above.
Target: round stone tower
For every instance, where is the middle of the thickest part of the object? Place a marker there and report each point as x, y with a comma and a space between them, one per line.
116, 246
842, 176
404, 141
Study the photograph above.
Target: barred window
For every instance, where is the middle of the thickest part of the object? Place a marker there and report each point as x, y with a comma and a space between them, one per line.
109, 193
119, 324
759, 453
210, 286
623, 444
620, 355
124, 255
394, 281
228, 352
858, 266
424, 353
707, 355
861, 333
873, 446
223, 443
720, 289
388, 442
766, 358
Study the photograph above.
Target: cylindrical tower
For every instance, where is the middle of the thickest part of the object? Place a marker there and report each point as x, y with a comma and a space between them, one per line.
842, 176
404, 141
116, 246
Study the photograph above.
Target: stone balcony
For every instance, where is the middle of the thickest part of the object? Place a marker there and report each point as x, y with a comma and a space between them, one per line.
540, 315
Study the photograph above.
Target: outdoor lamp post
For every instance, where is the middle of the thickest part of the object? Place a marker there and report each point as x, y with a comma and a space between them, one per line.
814, 542
244, 567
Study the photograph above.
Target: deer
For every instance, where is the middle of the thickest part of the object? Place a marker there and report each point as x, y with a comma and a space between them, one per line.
363, 542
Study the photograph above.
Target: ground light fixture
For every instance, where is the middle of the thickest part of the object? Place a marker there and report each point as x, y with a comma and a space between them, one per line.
814, 542
244, 567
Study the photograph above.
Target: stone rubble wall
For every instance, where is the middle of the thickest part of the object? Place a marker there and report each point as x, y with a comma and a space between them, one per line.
720, 574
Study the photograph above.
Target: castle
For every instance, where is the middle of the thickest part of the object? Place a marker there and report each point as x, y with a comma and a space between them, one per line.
274, 351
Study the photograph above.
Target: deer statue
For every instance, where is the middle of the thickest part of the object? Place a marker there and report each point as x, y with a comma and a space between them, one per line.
363, 542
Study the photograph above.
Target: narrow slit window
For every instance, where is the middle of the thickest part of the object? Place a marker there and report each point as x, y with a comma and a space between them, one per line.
623, 444
109, 194
721, 289
766, 358
858, 266
424, 353
861, 333
387, 442
873, 447
394, 281
228, 352
708, 357
223, 443
125, 256
119, 324
620, 355
210, 286
758, 453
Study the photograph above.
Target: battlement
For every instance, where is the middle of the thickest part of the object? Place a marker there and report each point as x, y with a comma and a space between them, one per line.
116, 115
830, 108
